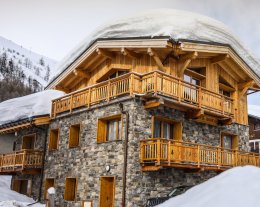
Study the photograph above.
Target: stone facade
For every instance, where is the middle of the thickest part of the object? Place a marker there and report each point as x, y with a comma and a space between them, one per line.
87, 162
38, 145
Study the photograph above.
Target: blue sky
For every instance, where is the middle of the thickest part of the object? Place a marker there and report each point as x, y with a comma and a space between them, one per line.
54, 27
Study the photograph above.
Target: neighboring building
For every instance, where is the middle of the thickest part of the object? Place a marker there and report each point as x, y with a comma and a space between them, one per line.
154, 101
254, 127
23, 133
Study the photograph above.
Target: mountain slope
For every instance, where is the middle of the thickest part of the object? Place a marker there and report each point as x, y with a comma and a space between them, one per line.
33, 65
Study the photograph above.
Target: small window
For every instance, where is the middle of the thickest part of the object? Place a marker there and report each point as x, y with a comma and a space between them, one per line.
54, 138
22, 186
49, 182
74, 135
109, 129
28, 141
166, 128
257, 126
70, 189
229, 141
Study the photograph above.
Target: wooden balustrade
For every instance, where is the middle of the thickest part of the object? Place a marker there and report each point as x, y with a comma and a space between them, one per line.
169, 153
21, 160
153, 82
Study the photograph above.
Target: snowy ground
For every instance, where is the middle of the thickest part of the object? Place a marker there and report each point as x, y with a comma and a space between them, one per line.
237, 187
9, 198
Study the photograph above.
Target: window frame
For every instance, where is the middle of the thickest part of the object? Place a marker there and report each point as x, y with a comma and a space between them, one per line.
70, 135
102, 124
75, 189
34, 140
57, 139
177, 134
234, 141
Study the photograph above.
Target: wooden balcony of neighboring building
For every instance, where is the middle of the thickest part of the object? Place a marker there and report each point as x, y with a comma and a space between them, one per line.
24, 161
151, 85
160, 153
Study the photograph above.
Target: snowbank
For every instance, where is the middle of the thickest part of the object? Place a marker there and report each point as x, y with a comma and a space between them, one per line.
176, 24
9, 198
237, 187
36, 104
254, 110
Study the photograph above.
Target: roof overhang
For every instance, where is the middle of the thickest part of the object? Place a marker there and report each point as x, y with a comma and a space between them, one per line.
23, 124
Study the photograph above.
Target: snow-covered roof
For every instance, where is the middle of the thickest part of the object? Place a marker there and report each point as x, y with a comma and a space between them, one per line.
25, 107
254, 110
237, 187
176, 24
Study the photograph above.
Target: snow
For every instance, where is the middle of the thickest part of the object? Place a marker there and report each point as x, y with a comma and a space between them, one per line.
237, 187
9, 198
36, 104
254, 110
176, 24
51, 190
19, 54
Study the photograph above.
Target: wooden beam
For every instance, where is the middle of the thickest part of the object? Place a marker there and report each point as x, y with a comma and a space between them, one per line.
60, 88
236, 69
130, 53
225, 67
195, 114
105, 53
243, 87
219, 58
90, 62
185, 61
81, 74
156, 58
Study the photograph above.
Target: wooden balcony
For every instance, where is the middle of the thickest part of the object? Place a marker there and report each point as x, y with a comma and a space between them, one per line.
24, 161
157, 82
156, 154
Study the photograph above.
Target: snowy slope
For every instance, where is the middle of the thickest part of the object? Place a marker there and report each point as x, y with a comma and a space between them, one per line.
254, 110
9, 198
237, 187
176, 24
32, 105
27, 60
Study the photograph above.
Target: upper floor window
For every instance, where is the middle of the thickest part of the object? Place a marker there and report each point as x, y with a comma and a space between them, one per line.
229, 141
195, 76
257, 126
166, 128
109, 129
113, 73
54, 139
28, 141
74, 135
225, 88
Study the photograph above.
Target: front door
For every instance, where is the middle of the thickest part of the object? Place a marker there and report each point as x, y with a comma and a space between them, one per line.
107, 185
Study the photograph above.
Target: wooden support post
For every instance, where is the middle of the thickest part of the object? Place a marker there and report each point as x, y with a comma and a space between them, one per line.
23, 160
179, 91
108, 90
219, 157
89, 97
158, 152
198, 156
200, 97
131, 85
155, 82
169, 152
223, 103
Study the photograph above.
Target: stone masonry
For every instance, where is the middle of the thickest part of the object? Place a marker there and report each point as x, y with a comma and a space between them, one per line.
87, 161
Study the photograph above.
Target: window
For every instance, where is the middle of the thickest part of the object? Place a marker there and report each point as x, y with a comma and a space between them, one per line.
70, 189
54, 139
191, 80
49, 182
229, 141
166, 128
28, 141
113, 73
257, 126
22, 186
225, 93
109, 129
74, 135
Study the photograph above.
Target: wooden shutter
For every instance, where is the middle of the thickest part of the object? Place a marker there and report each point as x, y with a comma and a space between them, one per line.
49, 182
54, 137
101, 131
16, 185
28, 142
177, 131
74, 135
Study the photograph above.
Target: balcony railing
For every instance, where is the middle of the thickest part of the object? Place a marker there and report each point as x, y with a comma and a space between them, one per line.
20, 161
157, 153
154, 82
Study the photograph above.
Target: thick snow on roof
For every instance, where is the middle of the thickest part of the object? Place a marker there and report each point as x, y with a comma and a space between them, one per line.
176, 24
237, 187
9, 198
36, 104
254, 110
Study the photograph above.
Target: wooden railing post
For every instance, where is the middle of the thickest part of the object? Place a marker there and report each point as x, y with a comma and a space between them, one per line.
23, 160
131, 85
179, 90
158, 151
155, 82
236, 159
71, 99
219, 157
223, 107
89, 97
14, 160
108, 90
200, 97
142, 152
169, 152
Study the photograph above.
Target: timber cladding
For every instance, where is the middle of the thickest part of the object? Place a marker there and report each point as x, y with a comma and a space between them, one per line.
88, 162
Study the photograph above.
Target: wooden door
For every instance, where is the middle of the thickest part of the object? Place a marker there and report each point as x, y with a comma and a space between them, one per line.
107, 185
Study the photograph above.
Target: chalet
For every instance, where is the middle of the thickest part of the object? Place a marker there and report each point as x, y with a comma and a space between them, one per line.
254, 127
153, 101
23, 133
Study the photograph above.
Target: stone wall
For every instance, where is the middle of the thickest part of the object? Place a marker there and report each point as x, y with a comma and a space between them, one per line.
39, 145
87, 162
